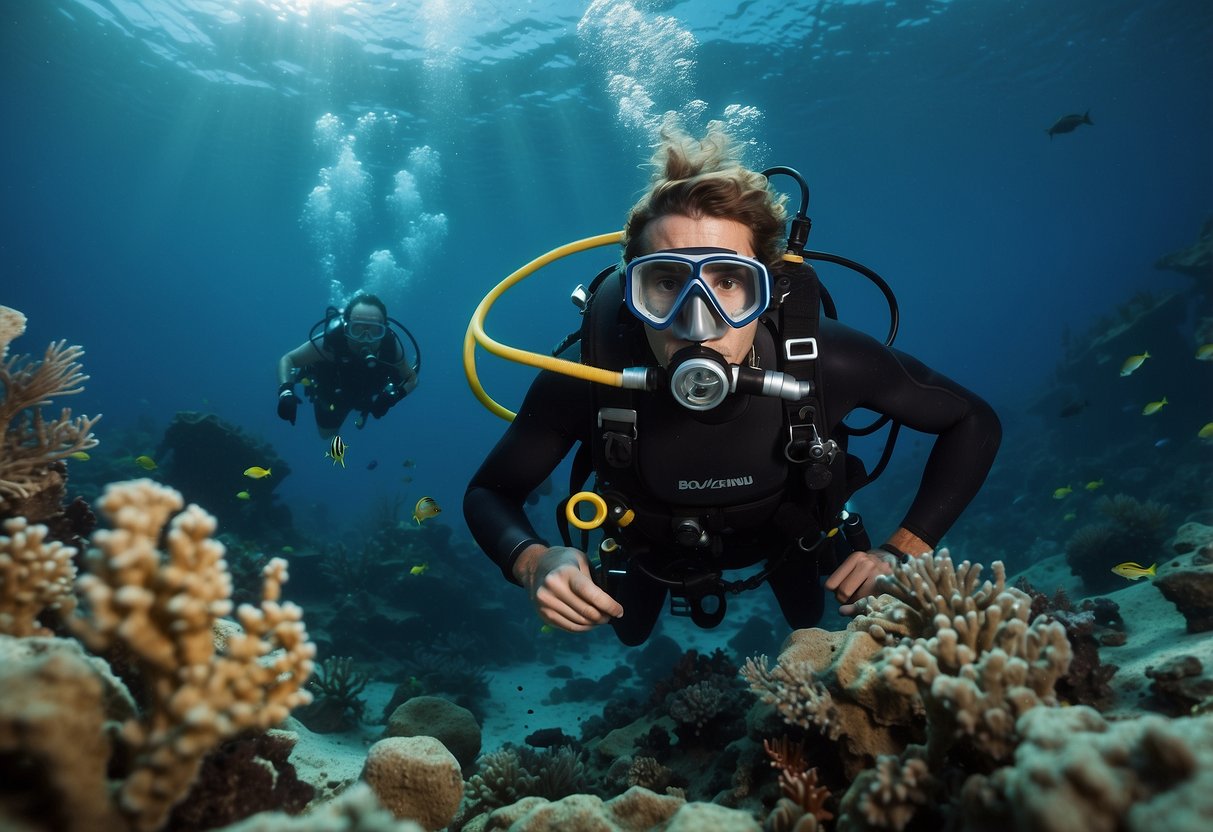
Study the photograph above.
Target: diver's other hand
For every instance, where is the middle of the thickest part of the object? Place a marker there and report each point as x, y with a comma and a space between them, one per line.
856, 576
288, 404
562, 589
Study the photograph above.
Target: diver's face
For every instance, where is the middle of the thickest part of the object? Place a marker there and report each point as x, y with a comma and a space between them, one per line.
366, 327
677, 231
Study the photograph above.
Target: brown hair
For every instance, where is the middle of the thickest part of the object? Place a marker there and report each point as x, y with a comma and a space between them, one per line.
367, 299
704, 177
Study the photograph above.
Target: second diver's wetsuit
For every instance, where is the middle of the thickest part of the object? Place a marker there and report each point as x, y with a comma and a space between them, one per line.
734, 455
348, 381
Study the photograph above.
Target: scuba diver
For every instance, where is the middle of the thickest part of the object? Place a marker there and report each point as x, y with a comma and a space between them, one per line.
721, 443
353, 360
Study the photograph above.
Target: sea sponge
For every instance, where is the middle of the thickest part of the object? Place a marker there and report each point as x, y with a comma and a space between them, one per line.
416, 778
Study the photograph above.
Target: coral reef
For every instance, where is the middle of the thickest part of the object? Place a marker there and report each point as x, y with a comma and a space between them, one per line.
354, 810
1074, 770
159, 612
31, 446
940, 648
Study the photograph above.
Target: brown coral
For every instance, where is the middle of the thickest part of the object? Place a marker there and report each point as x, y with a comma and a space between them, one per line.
30, 443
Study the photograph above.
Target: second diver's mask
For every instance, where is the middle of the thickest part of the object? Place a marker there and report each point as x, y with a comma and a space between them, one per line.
365, 336
697, 293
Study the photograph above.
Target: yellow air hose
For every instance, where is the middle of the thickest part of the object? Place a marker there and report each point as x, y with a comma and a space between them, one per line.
476, 334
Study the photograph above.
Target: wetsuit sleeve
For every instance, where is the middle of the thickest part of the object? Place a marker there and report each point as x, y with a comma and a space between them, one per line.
859, 371
540, 436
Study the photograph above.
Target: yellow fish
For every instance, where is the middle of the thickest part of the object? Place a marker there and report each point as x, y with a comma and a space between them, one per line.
420, 569
1204, 352
1131, 570
256, 472
1153, 407
242, 495
1070, 515
1062, 493
1132, 363
1206, 432
336, 451
1094, 484
288, 549
426, 508
547, 629
146, 462
80, 455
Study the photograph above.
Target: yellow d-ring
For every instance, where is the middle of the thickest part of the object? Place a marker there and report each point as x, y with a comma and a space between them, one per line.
600, 510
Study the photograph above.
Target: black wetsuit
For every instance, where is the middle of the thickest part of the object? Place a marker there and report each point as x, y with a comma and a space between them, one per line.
349, 382
742, 439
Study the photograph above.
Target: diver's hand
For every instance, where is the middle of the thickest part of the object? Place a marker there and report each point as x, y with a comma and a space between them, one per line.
856, 576
559, 582
288, 404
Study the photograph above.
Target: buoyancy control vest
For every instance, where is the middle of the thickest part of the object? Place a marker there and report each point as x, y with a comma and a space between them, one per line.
778, 482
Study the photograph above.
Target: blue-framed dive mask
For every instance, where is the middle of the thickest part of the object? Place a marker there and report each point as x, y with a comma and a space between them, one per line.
696, 292
365, 332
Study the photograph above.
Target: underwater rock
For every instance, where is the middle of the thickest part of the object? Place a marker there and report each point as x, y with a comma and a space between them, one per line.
1197, 538
1190, 589
416, 778
1179, 684
1195, 260
204, 458
432, 716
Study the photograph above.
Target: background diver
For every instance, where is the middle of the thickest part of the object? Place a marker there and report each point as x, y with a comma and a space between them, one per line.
693, 492
353, 360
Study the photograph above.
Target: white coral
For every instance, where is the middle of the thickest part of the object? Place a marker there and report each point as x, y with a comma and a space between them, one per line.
34, 576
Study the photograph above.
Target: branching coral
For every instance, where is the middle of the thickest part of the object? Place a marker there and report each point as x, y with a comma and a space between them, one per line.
949, 646
803, 801
30, 443
35, 575
795, 692
163, 613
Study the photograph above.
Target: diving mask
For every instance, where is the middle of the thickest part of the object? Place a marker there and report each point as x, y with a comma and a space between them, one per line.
683, 287
365, 332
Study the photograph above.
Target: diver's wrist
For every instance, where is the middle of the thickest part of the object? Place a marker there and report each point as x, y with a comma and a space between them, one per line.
286, 387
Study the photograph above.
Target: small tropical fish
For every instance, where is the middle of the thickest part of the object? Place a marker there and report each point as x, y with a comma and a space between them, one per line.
256, 472
1132, 363
408, 463
547, 629
1070, 515
1068, 123
145, 462
1204, 352
1206, 432
336, 451
1131, 570
372, 465
1094, 484
1062, 493
80, 455
288, 549
1162, 443
1153, 407
420, 569
242, 495
426, 508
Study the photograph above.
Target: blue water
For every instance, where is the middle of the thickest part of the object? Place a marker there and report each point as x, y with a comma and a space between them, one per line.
159, 158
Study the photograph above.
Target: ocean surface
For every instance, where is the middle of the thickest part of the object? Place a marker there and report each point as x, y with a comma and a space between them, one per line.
189, 183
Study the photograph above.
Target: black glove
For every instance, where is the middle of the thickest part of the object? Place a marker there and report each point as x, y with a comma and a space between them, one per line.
288, 403
388, 397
